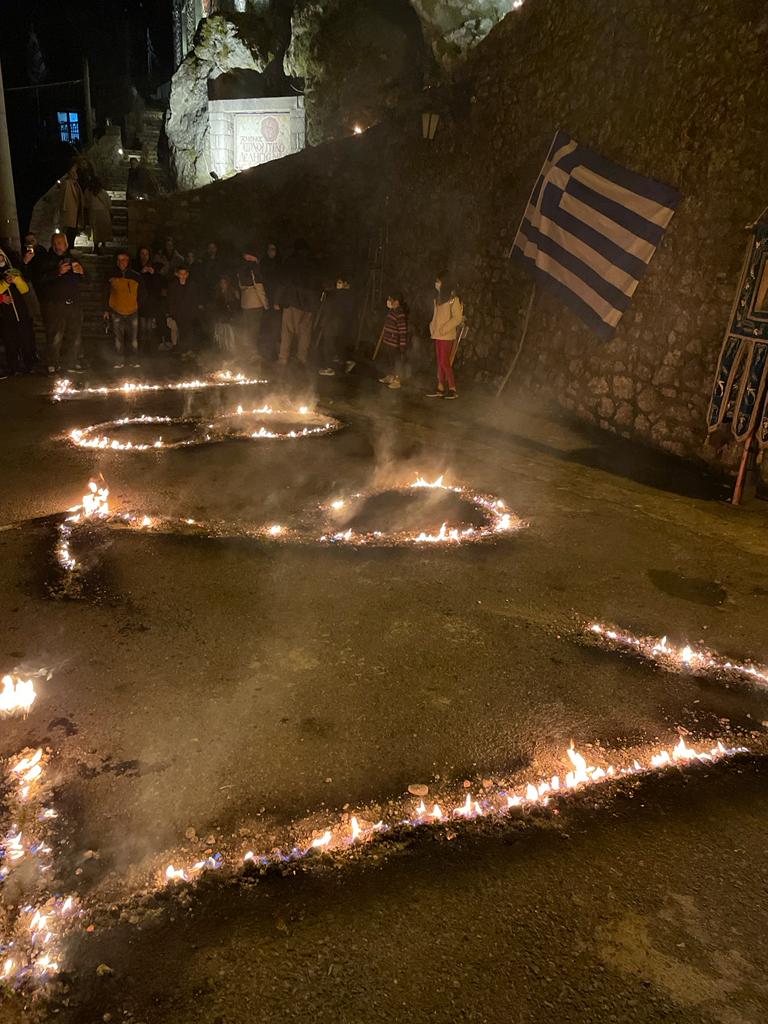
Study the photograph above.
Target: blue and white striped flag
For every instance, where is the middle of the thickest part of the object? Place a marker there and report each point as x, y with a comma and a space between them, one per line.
590, 230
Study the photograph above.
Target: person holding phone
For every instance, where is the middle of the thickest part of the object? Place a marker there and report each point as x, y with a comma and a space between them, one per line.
62, 293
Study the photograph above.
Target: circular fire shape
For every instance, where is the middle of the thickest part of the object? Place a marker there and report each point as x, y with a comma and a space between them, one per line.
481, 516
229, 426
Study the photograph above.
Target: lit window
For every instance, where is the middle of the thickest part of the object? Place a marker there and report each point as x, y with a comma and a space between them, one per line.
69, 125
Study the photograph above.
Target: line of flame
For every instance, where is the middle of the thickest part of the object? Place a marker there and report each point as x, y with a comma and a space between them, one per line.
349, 832
683, 658
64, 389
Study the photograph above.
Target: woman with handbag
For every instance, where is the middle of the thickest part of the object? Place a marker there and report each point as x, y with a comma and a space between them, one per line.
253, 299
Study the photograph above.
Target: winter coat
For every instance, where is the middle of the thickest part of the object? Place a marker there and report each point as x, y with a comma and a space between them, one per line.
72, 205
123, 292
298, 285
338, 314
395, 330
182, 301
56, 287
100, 215
150, 291
446, 319
12, 304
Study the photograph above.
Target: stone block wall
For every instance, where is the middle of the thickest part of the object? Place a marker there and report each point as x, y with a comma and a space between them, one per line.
677, 91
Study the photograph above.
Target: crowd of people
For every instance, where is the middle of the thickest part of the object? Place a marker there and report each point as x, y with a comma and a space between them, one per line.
252, 306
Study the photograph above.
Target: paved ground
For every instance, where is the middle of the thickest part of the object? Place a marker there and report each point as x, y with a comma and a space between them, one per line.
223, 685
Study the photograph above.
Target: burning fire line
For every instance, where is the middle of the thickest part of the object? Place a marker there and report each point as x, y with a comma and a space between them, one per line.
95, 508
64, 389
353, 831
498, 519
694, 660
31, 953
97, 435
17, 695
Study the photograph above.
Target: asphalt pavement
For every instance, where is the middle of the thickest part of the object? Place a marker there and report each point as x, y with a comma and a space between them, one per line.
210, 691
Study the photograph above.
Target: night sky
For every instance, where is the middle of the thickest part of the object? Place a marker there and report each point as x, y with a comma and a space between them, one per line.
113, 35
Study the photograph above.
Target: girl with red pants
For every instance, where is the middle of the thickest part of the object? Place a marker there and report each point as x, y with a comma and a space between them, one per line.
446, 320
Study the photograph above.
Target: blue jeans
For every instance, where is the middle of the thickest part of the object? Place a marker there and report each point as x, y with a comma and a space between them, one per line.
125, 330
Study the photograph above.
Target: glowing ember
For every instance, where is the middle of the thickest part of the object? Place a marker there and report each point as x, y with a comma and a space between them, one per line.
696, 660
64, 389
496, 521
18, 695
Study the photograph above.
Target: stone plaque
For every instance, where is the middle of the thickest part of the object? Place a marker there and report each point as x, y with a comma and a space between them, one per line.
260, 137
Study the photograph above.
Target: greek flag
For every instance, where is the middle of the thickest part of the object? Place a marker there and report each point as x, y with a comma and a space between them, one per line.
590, 230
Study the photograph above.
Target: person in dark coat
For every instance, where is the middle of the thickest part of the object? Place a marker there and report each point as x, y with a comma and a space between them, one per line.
17, 332
271, 321
62, 292
336, 326
183, 313
298, 295
151, 303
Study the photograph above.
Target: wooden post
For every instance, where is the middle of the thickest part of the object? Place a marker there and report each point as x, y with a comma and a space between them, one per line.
526, 321
741, 476
378, 345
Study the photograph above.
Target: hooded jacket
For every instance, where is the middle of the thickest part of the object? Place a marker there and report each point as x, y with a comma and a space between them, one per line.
17, 283
446, 319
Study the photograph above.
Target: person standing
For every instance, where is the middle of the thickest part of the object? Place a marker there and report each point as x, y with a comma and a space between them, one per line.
72, 205
122, 308
62, 293
271, 321
182, 314
298, 297
253, 299
447, 318
337, 327
394, 339
99, 214
17, 332
150, 297
35, 259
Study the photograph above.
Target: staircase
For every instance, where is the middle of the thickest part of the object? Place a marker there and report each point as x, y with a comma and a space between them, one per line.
98, 267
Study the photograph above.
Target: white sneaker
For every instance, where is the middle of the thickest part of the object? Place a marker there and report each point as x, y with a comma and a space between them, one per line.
386, 380
394, 383
327, 372
118, 366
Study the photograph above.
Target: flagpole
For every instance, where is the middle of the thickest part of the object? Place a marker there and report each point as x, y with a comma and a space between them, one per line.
522, 340
530, 197
533, 287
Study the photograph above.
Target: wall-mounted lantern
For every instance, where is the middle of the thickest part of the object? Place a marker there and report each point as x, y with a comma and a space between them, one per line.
429, 124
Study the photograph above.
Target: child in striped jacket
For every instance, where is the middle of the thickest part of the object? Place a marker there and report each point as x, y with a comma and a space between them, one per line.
394, 339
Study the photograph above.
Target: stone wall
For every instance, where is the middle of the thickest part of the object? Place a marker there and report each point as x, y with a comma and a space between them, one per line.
677, 91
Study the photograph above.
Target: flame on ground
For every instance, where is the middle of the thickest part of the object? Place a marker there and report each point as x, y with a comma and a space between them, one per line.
98, 435
697, 660
498, 520
352, 831
64, 389
17, 696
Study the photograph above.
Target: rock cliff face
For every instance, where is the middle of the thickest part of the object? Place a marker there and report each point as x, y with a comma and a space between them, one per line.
220, 47
674, 91
454, 27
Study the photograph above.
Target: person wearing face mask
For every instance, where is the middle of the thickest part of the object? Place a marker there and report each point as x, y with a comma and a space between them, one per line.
394, 339
447, 318
61, 286
336, 326
17, 333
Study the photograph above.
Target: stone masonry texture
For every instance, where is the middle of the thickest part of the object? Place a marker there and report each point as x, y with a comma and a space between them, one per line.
677, 91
